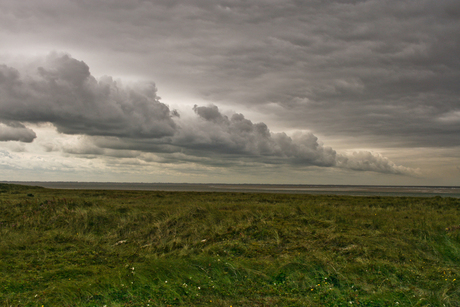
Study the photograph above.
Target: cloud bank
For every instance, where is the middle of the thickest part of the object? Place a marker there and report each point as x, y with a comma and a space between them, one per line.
127, 121
15, 131
63, 92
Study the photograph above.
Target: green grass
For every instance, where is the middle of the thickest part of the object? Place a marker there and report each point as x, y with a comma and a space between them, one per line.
130, 248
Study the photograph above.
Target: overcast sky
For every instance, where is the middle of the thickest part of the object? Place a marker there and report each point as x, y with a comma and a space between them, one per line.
234, 91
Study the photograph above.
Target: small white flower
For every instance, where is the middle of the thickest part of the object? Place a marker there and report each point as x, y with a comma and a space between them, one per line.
199, 288
166, 281
120, 242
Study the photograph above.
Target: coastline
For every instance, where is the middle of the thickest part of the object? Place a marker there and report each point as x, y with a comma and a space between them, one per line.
352, 190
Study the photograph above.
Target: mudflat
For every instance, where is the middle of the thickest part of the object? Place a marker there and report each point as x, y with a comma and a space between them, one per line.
358, 190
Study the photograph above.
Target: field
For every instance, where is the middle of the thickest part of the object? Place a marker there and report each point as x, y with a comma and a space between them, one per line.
130, 248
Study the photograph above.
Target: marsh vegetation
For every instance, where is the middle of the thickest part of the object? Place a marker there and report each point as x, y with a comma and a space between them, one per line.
144, 248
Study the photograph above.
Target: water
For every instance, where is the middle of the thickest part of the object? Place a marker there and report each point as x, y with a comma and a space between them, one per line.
355, 190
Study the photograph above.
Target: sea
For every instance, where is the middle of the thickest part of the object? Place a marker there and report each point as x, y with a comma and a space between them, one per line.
352, 190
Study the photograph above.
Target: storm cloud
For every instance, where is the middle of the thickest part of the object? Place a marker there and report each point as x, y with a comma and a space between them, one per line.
240, 136
16, 132
63, 92
131, 119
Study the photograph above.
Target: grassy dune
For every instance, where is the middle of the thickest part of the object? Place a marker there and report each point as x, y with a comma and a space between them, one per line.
129, 248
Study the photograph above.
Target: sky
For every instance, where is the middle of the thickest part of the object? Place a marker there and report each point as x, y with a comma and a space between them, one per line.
231, 91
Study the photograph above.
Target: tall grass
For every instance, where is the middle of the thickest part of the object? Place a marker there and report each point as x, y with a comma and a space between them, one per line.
127, 248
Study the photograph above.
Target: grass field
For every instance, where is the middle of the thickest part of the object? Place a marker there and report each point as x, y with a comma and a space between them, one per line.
129, 248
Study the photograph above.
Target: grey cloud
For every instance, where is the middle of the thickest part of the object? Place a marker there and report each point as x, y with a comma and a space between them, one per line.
126, 121
369, 68
5, 154
213, 138
367, 161
13, 131
82, 149
63, 92
240, 136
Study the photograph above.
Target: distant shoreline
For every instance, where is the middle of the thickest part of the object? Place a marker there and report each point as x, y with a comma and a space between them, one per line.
357, 190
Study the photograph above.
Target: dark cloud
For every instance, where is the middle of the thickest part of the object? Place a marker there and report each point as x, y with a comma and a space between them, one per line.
14, 131
376, 70
238, 135
64, 93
